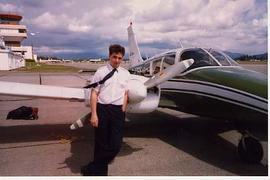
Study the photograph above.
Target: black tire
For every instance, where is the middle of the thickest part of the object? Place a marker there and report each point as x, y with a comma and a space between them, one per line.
250, 150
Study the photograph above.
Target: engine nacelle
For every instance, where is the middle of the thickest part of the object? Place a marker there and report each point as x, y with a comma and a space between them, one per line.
136, 91
148, 104
142, 100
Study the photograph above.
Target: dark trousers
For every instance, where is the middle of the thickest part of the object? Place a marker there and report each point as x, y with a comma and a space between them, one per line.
108, 137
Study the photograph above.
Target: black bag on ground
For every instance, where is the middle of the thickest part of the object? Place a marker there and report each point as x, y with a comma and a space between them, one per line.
27, 113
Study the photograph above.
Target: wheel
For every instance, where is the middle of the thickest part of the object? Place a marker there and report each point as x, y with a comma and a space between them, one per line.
250, 150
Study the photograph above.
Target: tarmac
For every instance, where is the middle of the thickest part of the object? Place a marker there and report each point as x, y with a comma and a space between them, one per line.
165, 142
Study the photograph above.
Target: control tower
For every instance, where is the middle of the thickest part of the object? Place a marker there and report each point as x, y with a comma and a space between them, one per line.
13, 33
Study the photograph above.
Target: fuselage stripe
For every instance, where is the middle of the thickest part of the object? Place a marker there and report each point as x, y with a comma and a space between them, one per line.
220, 87
215, 96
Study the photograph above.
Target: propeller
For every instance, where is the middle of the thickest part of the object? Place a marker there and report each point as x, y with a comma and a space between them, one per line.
168, 73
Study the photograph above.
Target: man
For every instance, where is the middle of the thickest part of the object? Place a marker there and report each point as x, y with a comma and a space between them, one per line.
108, 106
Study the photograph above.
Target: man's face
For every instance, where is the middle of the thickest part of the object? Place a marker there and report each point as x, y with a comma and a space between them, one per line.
116, 59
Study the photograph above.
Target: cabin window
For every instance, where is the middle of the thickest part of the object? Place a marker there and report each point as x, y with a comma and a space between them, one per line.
146, 69
157, 65
233, 62
200, 57
168, 60
163, 62
143, 69
220, 57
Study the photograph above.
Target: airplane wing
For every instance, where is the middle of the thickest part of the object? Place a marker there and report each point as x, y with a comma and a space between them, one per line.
44, 91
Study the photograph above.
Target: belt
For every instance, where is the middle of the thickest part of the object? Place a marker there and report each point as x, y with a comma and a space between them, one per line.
110, 105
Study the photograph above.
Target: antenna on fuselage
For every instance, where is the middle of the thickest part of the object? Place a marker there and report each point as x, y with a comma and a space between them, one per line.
181, 45
147, 57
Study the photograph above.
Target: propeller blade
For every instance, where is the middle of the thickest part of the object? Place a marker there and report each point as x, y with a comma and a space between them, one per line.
168, 73
81, 122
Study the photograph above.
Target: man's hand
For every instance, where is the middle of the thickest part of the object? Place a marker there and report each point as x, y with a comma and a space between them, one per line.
124, 109
124, 106
94, 120
94, 117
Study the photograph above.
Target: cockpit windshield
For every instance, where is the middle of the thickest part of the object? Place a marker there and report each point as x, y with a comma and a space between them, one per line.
201, 58
222, 58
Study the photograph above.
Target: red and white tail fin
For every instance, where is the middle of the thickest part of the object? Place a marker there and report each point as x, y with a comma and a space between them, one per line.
135, 57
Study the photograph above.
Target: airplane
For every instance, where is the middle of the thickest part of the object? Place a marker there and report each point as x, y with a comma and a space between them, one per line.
95, 60
214, 86
199, 81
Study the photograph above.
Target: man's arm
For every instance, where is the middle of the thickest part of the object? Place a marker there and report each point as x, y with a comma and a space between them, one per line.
93, 100
124, 107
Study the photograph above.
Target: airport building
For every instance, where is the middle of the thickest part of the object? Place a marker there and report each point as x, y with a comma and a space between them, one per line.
12, 33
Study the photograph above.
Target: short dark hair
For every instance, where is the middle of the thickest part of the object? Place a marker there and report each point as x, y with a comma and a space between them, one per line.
116, 48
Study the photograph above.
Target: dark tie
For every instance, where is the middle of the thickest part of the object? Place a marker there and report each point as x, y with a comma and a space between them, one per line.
108, 76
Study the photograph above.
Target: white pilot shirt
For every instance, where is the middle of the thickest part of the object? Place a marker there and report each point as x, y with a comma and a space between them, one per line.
113, 90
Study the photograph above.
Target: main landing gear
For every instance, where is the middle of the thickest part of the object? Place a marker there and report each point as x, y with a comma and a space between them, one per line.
250, 149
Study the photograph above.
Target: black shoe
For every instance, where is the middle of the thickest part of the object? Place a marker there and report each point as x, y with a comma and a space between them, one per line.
85, 171
101, 170
94, 170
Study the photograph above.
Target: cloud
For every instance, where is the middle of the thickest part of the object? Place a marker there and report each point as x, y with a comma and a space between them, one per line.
237, 25
50, 50
8, 7
91, 25
47, 21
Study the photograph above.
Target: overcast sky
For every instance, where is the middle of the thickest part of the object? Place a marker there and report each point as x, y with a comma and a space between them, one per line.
78, 28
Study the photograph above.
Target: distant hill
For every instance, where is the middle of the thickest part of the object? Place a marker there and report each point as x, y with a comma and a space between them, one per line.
233, 55
240, 56
263, 56
260, 56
